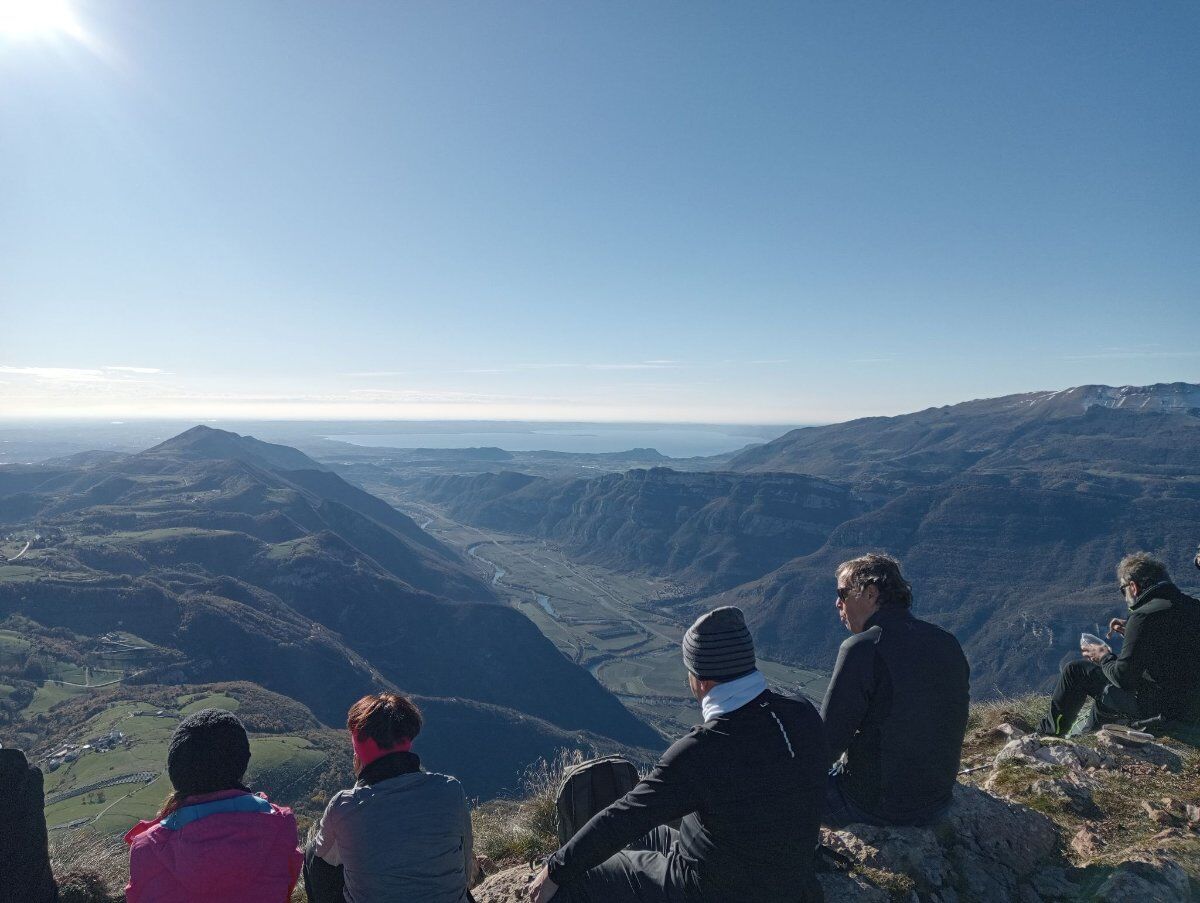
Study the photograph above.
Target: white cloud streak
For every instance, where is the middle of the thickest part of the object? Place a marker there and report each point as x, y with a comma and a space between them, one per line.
80, 376
56, 374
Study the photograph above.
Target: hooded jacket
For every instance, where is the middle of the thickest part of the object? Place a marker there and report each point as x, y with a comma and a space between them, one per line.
1158, 656
231, 846
24, 858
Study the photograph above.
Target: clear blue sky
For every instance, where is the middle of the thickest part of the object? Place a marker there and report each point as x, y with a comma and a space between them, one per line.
768, 212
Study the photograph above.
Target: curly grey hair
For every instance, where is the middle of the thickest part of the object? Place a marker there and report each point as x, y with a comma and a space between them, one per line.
880, 571
1143, 569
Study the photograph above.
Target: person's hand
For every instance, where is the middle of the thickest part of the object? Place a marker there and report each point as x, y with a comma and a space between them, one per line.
542, 890
1116, 625
1095, 652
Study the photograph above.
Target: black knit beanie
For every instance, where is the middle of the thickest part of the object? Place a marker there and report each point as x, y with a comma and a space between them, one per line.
209, 752
719, 646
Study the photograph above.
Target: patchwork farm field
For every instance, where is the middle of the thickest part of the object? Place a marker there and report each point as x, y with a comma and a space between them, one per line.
277, 763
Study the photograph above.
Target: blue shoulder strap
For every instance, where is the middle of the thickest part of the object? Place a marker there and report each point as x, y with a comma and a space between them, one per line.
245, 803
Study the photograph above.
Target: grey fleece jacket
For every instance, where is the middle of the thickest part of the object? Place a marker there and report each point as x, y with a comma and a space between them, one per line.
404, 838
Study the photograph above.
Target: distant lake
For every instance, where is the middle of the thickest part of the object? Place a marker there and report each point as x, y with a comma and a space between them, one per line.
673, 440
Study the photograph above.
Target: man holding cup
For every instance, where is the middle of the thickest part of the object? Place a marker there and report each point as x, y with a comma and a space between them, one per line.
1156, 672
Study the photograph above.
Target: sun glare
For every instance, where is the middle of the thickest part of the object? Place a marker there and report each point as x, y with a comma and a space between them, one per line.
28, 19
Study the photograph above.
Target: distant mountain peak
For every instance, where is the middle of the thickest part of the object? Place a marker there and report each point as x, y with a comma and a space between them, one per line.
938, 442
210, 444
1158, 397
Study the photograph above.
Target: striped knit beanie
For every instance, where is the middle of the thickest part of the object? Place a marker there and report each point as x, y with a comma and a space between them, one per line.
719, 646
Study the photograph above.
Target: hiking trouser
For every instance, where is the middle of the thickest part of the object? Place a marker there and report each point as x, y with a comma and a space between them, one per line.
324, 883
1078, 682
841, 810
640, 873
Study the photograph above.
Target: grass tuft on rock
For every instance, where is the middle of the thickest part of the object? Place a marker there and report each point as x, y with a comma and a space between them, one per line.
527, 828
89, 867
1023, 712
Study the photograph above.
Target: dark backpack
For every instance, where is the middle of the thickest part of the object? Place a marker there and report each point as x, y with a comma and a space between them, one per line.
589, 787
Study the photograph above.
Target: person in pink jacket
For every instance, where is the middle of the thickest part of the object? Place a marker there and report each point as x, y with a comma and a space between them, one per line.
213, 839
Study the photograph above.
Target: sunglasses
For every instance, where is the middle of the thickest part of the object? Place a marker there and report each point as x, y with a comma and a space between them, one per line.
844, 591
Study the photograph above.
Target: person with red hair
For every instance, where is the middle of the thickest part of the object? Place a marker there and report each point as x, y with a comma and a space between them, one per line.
399, 833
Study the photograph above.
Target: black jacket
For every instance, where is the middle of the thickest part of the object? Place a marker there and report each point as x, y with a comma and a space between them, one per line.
749, 786
1160, 657
897, 707
24, 858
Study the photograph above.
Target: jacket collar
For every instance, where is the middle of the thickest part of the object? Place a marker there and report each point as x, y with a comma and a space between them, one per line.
390, 766
1164, 590
888, 614
199, 799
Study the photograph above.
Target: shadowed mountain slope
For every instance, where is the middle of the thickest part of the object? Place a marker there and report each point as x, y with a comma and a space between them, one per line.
1016, 573
712, 530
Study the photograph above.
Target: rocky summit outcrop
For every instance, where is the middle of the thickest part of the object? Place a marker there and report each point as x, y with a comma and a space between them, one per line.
985, 849
1036, 820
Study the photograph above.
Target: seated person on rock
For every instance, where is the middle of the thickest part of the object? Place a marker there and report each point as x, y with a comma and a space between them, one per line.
25, 875
895, 711
213, 839
748, 784
399, 833
1157, 672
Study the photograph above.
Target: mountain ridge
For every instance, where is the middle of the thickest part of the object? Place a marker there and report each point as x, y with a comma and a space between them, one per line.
299, 582
1009, 516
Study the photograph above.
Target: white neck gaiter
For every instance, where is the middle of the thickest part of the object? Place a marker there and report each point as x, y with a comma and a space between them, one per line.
732, 695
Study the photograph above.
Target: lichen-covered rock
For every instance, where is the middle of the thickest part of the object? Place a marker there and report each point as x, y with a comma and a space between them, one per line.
1087, 842
1073, 792
1010, 731
842, 888
1035, 751
984, 849
1148, 879
1153, 753
506, 886
914, 852
1012, 836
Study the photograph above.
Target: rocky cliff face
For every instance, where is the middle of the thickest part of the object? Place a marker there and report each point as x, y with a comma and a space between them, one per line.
709, 530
